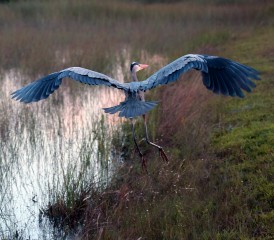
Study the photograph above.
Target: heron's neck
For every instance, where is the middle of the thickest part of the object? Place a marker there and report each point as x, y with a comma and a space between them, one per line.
134, 77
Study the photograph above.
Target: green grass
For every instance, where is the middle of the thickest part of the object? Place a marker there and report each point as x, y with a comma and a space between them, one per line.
245, 141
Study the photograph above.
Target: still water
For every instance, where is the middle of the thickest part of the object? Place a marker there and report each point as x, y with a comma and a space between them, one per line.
46, 144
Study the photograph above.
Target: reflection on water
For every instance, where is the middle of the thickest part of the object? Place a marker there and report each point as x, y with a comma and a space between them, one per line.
44, 143
48, 145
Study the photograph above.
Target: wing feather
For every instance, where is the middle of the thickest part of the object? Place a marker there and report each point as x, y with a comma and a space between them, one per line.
235, 83
242, 79
225, 77
217, 87
223, 86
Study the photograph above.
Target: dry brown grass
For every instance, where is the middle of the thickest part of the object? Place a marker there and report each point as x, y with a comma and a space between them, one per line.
90, 34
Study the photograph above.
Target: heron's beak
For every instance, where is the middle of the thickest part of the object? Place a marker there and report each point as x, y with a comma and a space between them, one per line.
143, 66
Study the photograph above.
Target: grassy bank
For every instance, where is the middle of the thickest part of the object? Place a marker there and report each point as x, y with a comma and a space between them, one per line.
218, 187
219, 184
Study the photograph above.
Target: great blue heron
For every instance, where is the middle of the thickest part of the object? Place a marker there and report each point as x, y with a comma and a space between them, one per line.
220, 75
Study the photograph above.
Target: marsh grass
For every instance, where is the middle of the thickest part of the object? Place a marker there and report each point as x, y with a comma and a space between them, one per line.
50, 151
89, 31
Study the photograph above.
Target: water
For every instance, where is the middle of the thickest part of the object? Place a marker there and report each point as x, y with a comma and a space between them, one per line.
45, 145
52, 144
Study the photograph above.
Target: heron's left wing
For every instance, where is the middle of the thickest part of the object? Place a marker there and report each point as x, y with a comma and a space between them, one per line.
43, 87
220, 75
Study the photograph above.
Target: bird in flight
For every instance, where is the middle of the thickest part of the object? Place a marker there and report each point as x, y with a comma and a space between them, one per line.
220, 75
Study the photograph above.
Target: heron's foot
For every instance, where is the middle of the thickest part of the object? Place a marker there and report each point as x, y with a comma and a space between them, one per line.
144, 163
163, 155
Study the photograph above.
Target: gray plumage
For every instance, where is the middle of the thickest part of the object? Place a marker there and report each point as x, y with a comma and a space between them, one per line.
220, 75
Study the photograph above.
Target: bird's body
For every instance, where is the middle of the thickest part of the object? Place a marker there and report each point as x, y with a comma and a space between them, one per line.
220, 75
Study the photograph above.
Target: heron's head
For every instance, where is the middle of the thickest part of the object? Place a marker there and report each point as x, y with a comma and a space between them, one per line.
135, 67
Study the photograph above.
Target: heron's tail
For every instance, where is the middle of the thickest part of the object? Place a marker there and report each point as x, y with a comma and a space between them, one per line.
131, 108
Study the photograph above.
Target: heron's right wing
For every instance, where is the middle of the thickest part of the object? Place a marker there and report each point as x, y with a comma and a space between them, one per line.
219, 75
42, 88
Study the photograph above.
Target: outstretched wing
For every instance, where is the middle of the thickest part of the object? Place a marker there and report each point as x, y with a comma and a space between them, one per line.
42, 88
220, 75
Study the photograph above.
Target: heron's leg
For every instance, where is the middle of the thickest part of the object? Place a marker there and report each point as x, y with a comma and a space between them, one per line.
162, 152
144, 163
